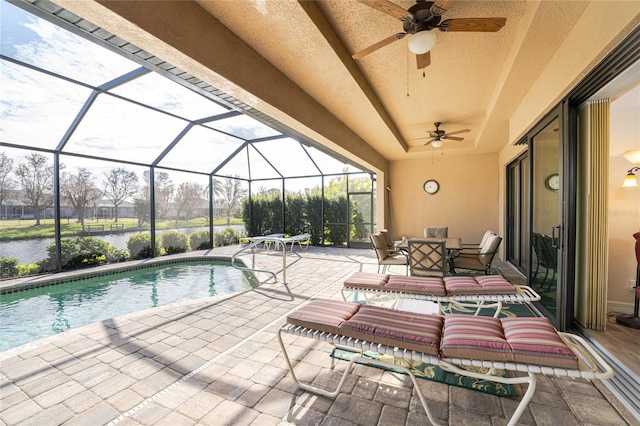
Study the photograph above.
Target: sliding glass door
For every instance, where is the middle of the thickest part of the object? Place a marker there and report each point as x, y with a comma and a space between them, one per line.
518, 213
537, 216
546, 240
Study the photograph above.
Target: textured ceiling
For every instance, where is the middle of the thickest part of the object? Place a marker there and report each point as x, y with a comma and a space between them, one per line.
473, 80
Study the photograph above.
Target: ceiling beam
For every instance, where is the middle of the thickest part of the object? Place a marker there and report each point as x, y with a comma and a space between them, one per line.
327, 31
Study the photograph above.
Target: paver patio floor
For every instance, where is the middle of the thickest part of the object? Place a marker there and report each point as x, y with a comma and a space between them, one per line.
217, 361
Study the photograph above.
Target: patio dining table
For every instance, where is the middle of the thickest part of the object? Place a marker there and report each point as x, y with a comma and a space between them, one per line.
451, 244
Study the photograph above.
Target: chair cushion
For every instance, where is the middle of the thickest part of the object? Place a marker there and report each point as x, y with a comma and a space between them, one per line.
368, 280
463, 262
394, 259
480, 338
432, 286
490, 244
323, 314
535, 341
407, 330
379, 246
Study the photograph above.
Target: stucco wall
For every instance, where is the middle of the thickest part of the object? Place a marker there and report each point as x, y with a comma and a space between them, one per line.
467, 201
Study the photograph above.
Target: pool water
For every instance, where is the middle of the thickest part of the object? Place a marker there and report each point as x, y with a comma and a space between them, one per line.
29, 315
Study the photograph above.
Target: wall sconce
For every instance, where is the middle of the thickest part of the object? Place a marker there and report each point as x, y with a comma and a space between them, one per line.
630, 181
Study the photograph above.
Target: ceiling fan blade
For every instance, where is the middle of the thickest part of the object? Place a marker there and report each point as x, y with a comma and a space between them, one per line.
429, 141
389, 8
423, 60
364, 52
487, 25
457, 132
453, 138
441, 6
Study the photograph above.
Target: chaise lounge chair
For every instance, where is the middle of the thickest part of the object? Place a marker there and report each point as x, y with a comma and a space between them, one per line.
486, 291
527, 345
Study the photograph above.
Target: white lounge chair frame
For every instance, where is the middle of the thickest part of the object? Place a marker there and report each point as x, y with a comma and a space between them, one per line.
592, 365
524, 294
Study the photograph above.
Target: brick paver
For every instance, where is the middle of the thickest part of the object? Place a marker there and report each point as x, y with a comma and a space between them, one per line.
217, 361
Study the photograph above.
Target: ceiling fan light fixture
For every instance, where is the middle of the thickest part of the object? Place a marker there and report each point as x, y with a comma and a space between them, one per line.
436, 143
422, 42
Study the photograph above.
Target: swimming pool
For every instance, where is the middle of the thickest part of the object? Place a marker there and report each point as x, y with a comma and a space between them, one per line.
29, 315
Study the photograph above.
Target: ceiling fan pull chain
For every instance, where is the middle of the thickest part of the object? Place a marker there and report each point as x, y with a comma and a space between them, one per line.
407, 73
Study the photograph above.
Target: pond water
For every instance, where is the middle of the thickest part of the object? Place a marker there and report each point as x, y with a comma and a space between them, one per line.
29, 315
29, 251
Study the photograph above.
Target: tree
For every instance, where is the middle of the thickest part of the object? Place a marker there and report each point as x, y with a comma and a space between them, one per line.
142, 204
35, 175
120, 185
164, 189
188, 197
142, 209
7, 185
79, 190
231, 192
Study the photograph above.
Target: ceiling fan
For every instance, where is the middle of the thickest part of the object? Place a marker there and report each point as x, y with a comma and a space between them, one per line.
419, 20
437, 136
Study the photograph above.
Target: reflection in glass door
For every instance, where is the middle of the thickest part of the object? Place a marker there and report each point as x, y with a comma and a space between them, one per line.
546, 226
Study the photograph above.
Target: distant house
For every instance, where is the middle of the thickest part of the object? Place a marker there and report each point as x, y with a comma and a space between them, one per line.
13, 208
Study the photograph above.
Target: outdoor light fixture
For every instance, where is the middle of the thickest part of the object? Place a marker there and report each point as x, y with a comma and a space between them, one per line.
436, 143
422, 42
630, 181
632, 155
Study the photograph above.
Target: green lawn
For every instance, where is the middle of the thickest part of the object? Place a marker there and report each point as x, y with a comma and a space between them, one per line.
26, 229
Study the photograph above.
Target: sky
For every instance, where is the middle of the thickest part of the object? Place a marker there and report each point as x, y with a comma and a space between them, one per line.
38, 109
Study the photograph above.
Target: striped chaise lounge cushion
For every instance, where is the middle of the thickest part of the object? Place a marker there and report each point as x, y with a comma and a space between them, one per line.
432, 286
531, 341
367, 280
324, 315
486, 284
407, 330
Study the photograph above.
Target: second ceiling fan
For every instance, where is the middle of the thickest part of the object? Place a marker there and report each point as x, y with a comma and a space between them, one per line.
437, 136
419, 20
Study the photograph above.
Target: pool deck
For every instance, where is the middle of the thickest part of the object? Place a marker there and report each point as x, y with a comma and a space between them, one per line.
217, 361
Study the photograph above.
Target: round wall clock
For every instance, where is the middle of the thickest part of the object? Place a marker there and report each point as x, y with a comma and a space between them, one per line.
552, 182
431, 186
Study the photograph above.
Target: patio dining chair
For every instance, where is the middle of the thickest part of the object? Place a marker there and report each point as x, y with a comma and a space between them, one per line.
480, 261
471, 247
427, 257
386, 237
387, 257
442, 232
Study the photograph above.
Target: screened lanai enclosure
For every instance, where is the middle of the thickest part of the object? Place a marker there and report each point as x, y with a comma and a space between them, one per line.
103, 145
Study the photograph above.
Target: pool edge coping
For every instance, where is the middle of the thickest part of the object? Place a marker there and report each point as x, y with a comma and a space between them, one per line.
29, 283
